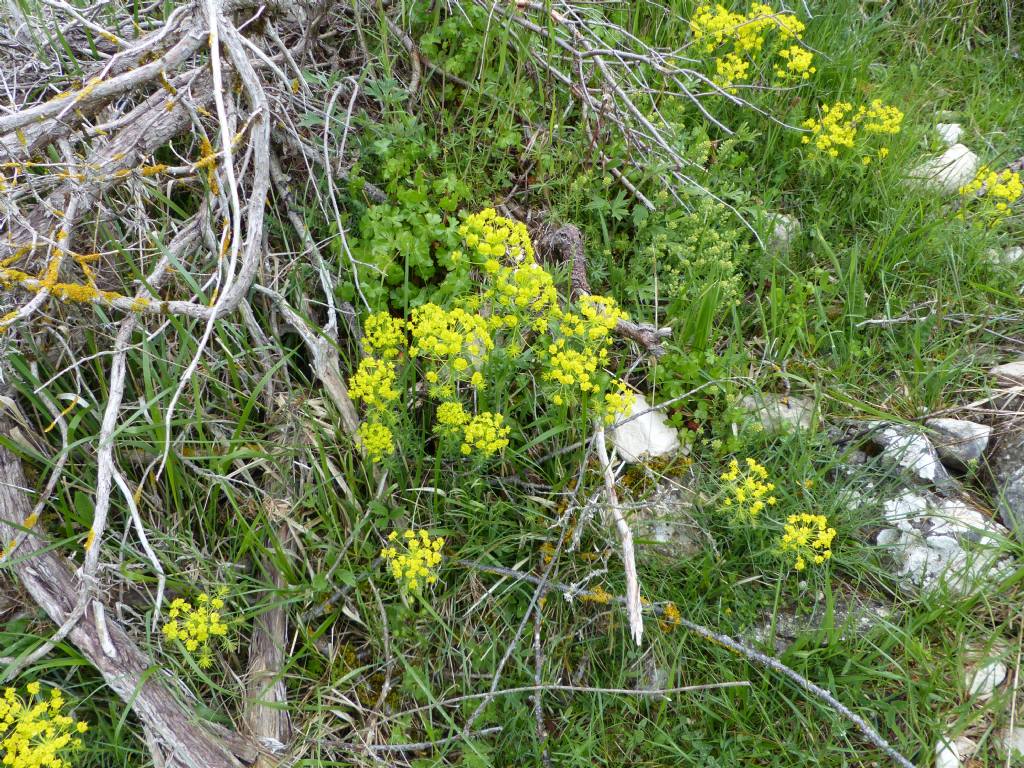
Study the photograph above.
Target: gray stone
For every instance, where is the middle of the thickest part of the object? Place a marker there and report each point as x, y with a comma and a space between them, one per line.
664, 522
911, 449
1008, 374
959, 443
1011, 742
853, 615
949, 171
1006, 466
950, 133
784, 230
983, 681
779, 414
646, 436
937, 542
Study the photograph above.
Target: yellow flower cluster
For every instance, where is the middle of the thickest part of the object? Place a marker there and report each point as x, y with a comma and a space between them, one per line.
995, 192
670, 617
495, 237
747, 490
485, 433
740, 40
807, 537
374, 384
196, 626
383, 335
515, 310
839, 126
413, 558
377, 440
35, 733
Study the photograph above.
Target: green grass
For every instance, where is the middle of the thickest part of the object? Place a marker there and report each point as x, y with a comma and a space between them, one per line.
254, 485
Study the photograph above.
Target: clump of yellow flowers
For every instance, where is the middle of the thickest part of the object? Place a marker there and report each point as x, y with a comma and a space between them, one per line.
195, 626
413, 558
507, 325
841, 128
807, 538
992, 193
739, 42
34, 731
747, 490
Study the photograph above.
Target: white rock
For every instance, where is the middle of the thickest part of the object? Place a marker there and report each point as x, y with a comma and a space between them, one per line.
981, 681
780, 414
646, 436
664, 521
1008, 374
935, 541
1012, 741
950, 133
959, 442
946, 754
785, 228
1013, 255
912, 450
949, 171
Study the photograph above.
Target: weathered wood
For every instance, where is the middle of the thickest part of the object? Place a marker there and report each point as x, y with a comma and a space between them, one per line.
126, 668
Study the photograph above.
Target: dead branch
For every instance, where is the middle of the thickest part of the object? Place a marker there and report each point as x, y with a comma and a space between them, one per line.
49, 579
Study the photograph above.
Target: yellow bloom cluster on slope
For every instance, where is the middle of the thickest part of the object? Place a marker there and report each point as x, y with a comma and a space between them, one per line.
841, 127
513, 309
35, 733
807, 538
995, 192
739, 41
747, 490
413, 558
196, 626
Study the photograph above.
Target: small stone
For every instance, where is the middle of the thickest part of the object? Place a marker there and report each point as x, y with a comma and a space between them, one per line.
779, 414
646, 436
1012, 255
1006, 465
946, 754
949, 171
784, 229
1008, 374
981, 681
958, 442
664, 521
1011, 740
950, 133
912, 450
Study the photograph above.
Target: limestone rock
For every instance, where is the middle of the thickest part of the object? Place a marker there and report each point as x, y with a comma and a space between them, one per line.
664, 523
779, 414
959, 443
981, 679
949, 171
1011, 740
912, 450
784, 230
1006, 465
946, 754
1008, 374
646, 436
950, 133
935, 541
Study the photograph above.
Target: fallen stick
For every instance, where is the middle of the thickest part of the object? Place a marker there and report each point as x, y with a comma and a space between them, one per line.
49, 579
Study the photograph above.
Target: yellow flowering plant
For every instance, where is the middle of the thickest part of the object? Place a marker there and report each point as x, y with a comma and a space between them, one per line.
413, 558
748, 490
194, 627
989, 195
34, 730
737, 46
505, 324
842, 129
807, 539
